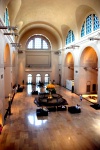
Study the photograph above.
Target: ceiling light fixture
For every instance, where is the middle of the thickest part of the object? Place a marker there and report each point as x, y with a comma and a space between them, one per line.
92, 39
20, 51
73, 47
57, 52
9, 27
16, 44
15, 34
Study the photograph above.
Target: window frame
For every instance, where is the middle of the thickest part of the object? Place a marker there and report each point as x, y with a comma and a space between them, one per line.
91, 24
43, 38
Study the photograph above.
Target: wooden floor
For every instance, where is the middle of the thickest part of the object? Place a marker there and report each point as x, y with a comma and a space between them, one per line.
57, 131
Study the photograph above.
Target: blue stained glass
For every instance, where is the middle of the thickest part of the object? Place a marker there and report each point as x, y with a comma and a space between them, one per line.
89, 24
70, 37
73, 37
6, 17
92, 23
96, 24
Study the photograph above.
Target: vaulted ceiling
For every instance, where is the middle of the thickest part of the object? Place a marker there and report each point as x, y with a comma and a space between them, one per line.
56, 16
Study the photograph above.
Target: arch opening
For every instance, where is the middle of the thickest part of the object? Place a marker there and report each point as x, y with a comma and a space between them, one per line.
7, 70
69, 72
89, 74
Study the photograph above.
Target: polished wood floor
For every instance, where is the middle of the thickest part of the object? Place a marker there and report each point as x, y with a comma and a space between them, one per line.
57, 131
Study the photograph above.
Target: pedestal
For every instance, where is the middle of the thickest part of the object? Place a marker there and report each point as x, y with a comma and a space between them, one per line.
50, 95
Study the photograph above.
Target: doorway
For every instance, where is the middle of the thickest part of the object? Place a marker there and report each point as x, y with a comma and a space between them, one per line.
38, 78
29, 78
46, 79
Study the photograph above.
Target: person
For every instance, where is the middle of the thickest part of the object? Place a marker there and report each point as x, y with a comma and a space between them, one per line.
78, 106
53, 82
23, 82
0, 128
80, 97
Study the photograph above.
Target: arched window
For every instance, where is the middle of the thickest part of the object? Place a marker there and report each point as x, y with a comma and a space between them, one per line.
38, 78
29, 78
29, 82
96, 22
70, 37
6, 17
38, 42
46, 78
83, 30
91, 24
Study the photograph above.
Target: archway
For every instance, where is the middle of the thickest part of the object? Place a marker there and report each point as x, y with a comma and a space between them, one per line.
7, 70
69, 71
89, 71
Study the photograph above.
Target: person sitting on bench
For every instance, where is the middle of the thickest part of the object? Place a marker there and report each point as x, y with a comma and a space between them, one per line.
78, 106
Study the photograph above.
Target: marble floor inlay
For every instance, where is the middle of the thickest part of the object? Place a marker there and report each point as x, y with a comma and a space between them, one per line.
60, 130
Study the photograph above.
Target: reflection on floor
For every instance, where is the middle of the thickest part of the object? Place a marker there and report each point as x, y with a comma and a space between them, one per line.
31, 88
35, 121
91, 97
60, 130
